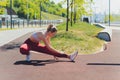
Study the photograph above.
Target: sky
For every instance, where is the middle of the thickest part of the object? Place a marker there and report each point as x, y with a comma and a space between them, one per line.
103, 6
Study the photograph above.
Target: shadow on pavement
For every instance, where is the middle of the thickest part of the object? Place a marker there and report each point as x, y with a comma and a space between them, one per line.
10, 46
37, 62
108, 64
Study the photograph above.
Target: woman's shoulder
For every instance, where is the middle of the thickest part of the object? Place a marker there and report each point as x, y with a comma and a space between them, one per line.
41, 32
38, 32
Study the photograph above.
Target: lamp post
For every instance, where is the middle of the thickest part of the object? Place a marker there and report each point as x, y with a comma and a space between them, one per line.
27, 14
11, 14
109, 13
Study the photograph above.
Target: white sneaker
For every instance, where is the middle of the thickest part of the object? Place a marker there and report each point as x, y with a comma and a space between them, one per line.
73, 56
28, 57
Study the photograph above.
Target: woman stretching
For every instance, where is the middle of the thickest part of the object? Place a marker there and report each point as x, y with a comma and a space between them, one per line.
33, 43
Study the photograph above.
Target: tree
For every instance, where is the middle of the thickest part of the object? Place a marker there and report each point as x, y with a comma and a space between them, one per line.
77, 9
71, 12
77, 5
106, 19
67, 15
33, 8
2, 5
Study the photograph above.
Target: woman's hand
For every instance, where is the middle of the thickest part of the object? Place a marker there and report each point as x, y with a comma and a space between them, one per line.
56, 58
62, 52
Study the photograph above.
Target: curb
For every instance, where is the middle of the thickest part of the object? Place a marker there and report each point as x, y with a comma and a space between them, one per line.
105, 34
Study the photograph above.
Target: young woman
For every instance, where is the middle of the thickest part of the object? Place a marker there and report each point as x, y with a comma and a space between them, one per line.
33, 43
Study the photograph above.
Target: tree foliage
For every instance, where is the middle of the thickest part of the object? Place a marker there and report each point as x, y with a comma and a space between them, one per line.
2, 6
31, 8
79, 7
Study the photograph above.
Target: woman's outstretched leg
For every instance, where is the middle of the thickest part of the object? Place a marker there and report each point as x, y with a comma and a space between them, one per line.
44, 49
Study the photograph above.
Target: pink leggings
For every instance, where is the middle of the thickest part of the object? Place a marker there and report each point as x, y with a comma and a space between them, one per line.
29, 45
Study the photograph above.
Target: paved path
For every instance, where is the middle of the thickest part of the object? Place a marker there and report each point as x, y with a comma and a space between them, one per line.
9, 35
102, 66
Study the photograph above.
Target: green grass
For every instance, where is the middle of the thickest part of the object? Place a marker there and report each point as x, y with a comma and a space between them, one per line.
3, 29
47, 16
81, 36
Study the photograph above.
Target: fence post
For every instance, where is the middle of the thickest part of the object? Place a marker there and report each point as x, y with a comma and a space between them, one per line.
18, 24
0, 24
23, 23
13, 23
7, 23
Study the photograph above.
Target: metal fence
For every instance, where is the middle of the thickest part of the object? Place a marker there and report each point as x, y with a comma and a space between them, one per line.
25, 23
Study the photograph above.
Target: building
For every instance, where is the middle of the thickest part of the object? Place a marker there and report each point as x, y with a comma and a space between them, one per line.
7, 14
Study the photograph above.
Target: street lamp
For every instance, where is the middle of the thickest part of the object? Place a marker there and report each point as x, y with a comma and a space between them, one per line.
27, 14
109, 12
11, 14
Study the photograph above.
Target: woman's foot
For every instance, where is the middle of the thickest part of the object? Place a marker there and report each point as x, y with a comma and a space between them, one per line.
73, 56
56, 58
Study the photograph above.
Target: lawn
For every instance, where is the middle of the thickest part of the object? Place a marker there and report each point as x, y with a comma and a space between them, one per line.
81, 36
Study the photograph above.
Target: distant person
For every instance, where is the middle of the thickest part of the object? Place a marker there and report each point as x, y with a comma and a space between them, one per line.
33, 43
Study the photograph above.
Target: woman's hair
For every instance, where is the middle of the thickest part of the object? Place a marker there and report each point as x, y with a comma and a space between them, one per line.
51, 28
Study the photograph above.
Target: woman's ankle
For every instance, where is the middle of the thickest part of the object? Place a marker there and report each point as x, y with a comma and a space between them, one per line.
28, 57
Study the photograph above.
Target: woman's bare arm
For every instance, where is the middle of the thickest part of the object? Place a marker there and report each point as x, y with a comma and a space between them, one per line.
48, 45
